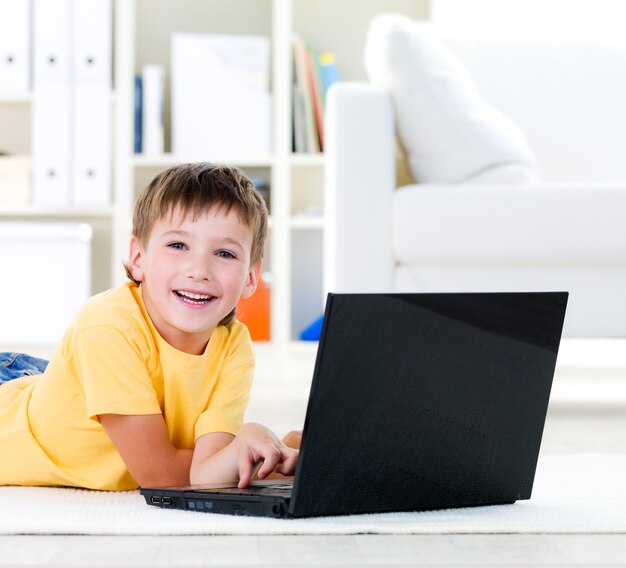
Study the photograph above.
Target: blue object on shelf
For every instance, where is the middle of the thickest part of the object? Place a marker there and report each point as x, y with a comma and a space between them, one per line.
313, 331
138, 118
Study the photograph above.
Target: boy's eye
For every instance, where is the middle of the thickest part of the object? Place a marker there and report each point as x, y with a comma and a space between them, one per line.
225, 254
177, 245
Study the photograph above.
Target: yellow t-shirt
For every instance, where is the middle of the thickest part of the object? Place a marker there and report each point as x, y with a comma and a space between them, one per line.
112, 360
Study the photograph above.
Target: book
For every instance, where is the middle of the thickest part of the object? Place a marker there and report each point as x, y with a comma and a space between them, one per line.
91, 137
328, 71
152, 109
303, 87
314, 85
15, 46
313, 74
299, 141
138, 109
52, 110
91, 131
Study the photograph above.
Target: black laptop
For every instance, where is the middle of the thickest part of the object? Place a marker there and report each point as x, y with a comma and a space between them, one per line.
418, 401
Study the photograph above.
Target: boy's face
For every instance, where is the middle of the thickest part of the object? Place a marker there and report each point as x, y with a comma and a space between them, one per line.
193, 273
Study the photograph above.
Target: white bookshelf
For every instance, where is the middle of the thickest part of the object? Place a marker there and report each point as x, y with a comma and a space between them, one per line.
142, 30
41, 212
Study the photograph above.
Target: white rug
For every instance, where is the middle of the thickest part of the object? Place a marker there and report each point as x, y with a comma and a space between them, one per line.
572, 494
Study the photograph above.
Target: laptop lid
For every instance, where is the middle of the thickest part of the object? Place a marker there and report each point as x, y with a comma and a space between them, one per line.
423, 401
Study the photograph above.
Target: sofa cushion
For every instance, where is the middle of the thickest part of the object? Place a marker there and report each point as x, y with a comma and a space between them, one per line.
450, 133
497, 224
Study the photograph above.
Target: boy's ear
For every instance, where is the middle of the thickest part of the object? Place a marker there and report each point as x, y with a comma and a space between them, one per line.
252, 280
135, 259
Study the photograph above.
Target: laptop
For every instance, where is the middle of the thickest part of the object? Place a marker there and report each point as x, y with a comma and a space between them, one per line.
418, 402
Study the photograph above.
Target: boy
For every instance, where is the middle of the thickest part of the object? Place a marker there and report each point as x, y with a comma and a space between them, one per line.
150, 382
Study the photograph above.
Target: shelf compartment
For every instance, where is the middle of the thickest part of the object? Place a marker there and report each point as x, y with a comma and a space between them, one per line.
306, 278
307, 189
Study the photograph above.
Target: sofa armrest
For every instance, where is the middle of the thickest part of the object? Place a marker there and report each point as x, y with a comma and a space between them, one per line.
359, 181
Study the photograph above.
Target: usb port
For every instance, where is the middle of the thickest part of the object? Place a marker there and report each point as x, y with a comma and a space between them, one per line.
155, 500
167, 501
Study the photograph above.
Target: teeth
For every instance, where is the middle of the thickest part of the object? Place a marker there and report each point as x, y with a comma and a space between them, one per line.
196, 298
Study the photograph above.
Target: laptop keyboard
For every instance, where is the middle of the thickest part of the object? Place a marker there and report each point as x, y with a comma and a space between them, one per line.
278, 489
274, 489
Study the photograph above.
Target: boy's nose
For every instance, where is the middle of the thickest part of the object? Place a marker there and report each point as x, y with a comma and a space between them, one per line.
200, 269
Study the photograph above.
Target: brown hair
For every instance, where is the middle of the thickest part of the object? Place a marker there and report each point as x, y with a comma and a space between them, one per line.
195, 189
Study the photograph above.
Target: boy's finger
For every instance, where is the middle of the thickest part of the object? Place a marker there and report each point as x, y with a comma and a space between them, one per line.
271, 458
255, 471
293, 439
245, 471
289, 462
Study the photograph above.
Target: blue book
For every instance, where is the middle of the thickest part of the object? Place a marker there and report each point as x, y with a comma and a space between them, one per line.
138, 113
328, 70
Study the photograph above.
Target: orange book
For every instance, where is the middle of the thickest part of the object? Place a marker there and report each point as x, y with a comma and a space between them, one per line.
254, 312
318, 111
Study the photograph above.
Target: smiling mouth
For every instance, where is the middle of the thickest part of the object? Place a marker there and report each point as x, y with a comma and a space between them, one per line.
195, 299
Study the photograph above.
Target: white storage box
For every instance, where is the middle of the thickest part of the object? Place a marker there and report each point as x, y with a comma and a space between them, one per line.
46, 275
221, 99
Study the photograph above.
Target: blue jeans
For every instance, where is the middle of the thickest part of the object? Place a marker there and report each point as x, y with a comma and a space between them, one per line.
16, 365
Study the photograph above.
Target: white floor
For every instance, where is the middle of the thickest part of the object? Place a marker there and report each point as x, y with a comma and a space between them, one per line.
287, 551
587, 415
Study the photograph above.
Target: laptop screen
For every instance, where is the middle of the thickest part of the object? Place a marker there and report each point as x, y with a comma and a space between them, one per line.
423, 401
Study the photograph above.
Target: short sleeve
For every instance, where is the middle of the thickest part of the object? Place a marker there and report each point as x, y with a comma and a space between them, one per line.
113, 373
228, 401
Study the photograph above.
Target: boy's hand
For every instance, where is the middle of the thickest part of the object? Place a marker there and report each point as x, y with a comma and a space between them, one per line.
257, 443
293, 439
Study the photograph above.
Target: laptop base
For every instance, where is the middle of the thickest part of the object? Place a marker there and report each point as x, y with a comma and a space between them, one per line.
226, 504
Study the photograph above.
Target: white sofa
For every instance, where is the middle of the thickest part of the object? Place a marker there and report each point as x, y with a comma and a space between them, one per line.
564, 232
